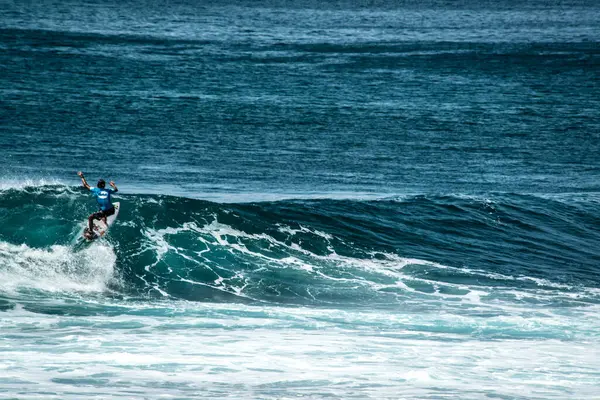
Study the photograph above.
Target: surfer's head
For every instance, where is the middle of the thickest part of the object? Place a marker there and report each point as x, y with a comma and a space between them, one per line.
101, 184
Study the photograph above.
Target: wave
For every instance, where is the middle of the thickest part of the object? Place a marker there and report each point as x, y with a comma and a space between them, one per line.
500, 250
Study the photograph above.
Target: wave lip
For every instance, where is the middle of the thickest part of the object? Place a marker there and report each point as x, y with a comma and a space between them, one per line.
30, 183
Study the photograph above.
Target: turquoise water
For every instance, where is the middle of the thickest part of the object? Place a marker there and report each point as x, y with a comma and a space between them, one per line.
319, 199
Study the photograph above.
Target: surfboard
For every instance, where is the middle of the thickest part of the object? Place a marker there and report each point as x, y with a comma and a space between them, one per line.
100, 228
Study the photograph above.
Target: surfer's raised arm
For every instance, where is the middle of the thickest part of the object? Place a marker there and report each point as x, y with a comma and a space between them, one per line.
114, 186
85, 184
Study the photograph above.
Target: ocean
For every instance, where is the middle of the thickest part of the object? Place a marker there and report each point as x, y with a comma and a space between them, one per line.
319, 199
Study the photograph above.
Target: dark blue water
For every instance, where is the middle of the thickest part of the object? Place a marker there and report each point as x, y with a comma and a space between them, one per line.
320, 199
313, 97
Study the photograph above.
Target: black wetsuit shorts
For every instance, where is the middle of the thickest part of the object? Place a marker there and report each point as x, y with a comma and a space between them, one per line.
103, 213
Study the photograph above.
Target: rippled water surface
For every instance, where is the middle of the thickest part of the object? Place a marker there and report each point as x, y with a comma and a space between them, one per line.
318, 199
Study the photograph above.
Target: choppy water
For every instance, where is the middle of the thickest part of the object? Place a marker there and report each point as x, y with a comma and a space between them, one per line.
328, 200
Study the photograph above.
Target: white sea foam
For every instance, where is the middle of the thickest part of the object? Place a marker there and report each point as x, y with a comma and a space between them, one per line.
189, 350
56, 269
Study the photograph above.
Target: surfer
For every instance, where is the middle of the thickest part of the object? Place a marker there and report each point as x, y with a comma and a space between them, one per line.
103, 197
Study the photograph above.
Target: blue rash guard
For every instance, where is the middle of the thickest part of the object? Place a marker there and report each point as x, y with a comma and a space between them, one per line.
103, 197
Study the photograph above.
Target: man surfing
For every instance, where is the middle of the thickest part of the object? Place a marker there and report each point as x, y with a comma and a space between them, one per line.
103, 197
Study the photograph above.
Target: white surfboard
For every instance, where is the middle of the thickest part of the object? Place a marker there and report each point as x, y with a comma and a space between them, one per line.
100, 228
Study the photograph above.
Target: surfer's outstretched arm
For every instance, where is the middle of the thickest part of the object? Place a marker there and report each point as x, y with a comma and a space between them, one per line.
114, 186
85, 184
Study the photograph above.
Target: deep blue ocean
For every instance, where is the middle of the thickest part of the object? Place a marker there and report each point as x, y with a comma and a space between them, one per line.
319, 199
